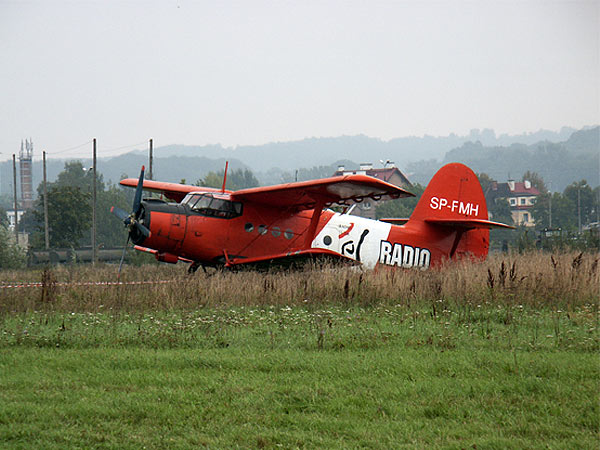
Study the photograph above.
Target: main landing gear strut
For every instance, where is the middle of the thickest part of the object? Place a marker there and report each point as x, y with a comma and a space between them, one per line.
194, 266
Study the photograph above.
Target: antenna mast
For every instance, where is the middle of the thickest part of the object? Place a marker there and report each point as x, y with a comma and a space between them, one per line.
25, 171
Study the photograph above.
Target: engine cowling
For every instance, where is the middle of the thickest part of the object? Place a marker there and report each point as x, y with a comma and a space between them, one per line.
167, 223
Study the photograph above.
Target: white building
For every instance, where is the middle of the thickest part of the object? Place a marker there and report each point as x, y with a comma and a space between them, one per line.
11, 217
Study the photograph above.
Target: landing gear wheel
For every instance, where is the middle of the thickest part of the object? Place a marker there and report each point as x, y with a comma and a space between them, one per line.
193, 267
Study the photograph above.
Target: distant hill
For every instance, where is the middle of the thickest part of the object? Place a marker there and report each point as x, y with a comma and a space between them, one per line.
584, 141
565, 156
560, 164
173, 169
289, 156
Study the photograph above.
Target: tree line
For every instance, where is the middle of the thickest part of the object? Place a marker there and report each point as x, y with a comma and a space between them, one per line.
70, 210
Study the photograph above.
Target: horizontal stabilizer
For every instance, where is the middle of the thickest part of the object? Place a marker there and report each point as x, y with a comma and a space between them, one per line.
468, 224
394, 221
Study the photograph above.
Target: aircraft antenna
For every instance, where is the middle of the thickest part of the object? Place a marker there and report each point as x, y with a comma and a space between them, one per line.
150, 160
225, 176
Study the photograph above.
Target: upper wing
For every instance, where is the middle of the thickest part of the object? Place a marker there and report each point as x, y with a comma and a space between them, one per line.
173, 191
302, 195
306, 194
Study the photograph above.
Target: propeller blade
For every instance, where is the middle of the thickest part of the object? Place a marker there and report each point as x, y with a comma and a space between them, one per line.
120, 214
123, 257
137, 199
142, 229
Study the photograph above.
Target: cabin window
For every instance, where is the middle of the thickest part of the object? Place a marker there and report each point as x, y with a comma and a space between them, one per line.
207, 205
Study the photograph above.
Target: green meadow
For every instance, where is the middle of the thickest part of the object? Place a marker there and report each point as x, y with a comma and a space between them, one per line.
501, 354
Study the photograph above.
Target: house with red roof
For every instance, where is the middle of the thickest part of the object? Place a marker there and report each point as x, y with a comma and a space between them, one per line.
389, 173
521, 197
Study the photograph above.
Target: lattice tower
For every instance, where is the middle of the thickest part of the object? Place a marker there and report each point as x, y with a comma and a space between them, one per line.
25, 166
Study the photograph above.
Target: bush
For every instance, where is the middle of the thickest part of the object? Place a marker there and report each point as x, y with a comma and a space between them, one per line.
11, 255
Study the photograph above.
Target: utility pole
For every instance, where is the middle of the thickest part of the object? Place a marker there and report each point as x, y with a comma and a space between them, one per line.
598, 207
46, 233
549, 194
150, 161
550, 205
579, 209
94, 255
15, 198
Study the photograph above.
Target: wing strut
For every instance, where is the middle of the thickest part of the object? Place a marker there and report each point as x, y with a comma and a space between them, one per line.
228, 262
459, 235
314, 221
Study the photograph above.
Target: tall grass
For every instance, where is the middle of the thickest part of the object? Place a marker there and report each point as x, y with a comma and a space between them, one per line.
495, 354
535, 279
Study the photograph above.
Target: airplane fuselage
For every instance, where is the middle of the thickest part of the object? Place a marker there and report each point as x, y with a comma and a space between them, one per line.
179, 230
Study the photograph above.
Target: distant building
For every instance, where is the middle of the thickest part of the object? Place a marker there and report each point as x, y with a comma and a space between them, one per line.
389, 173
10, 214
521, 197
22, 236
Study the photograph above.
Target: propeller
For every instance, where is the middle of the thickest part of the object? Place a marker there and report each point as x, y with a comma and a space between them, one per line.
131, 220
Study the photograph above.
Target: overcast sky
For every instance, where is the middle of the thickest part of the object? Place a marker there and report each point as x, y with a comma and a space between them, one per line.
251, 72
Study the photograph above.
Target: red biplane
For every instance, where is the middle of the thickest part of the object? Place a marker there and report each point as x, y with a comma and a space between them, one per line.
287, 222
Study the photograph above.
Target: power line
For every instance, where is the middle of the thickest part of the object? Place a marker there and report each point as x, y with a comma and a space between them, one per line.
69, 149
110, 150
122, 148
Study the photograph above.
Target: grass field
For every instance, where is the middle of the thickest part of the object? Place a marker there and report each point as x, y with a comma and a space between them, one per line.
501, 354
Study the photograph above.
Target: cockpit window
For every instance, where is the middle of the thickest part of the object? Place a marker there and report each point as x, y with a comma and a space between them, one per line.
210, 206
190, 199
202, 202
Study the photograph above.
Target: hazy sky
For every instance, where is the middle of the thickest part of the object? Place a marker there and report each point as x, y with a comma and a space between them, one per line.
251, 72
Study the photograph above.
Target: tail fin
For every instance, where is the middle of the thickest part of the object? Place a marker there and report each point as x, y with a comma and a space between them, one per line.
453, 193
453, 203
